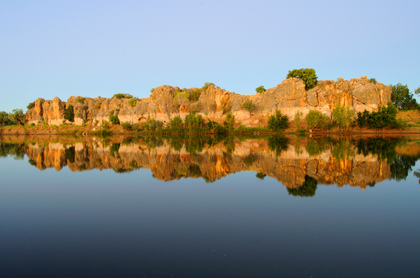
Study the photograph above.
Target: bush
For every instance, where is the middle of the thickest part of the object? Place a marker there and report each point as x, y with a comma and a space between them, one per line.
308, 77
206, 85
80, 100
176, 123
213, 106
127, 126
260, 89
384, 117
229, 122
31, 105
194, 95
114, 119
193, 121
248, 105
120, 96
132, 102
105, 125
373, 81
152, 90
278, 122
69, 113
342, 116
315, 119
181, 98
97, 106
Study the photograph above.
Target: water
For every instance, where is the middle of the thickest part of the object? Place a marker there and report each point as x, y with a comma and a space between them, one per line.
144, 208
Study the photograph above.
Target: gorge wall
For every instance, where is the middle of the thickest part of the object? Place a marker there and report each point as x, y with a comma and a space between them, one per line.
214, 103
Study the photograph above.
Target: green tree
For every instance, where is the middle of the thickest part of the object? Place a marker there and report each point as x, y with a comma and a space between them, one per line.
69, 113
248, 105
229, 121
206, 85
278, 122
308, 77
30, 105
402, 98
315, 119
260, 89
176, 123
193, 121
343, 116
307, 189
4, 119
17, 117
298, 116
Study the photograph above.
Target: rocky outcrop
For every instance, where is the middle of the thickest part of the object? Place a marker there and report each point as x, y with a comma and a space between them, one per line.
290, 96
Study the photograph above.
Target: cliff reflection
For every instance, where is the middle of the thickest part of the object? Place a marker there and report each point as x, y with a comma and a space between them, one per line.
300, 164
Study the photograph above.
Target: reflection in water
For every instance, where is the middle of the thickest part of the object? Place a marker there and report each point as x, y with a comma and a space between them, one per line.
300, 164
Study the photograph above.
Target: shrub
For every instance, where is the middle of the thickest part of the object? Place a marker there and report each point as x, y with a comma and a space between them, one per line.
181, 98
194, 95
373, 81
315, 119
384, 117
402, 98
69, 113
298, 116
127, 126
120, 96
206, 85
105, 125
176, 123
308, 77
97, 106
342, 116
153, 124
278, 122
229, 122
132, 102
260, 89
213, 106
114, 119
159, 125
248, 105
80, 100
249, 160
193, 121
31, 105
152, 90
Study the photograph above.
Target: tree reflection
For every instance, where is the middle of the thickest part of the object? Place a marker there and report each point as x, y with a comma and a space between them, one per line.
307, 189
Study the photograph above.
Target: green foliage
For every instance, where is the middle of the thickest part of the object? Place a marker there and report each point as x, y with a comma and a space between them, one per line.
249, 160
105, 125
152, 90
402, 98
69, 113
229, 122
193, 121
343, 116
373, 81
120, 96
132, 102
298, 116
206, 85
97, 106
261, 175
317, 147
151, 124
315, 119
307, 189
278, 144
114, 119
80, 100
17, 117
176, 123
31, 105
278, 122
181, 98
69, 154
114, 148
4, 119
194, 95
127, 126
384, 117
308, 77
260, 89
248, 105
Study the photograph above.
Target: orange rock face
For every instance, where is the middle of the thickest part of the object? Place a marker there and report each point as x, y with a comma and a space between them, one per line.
214, 103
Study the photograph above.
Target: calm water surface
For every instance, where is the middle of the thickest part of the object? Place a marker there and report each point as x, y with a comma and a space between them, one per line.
197, 208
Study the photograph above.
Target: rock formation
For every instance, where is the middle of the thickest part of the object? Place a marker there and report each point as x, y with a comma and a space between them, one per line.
290, 96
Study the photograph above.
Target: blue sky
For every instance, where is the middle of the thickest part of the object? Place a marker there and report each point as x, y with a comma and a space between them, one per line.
100, 48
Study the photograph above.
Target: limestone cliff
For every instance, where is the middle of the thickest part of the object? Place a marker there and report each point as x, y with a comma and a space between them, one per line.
290, 96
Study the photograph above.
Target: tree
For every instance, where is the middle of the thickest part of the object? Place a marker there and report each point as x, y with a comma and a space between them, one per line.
69, 113
17, 117
229, 122
278, 122
4, 119
176, 123
342, 116
402, 98
260, 89
308, 77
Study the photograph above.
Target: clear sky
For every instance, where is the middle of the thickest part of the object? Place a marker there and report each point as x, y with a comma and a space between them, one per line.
100, 48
